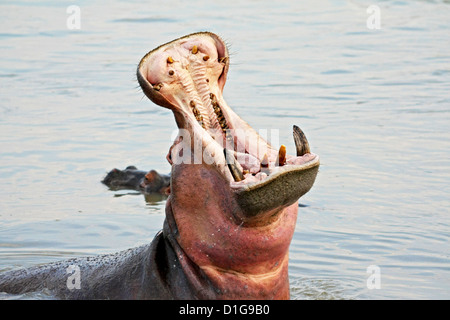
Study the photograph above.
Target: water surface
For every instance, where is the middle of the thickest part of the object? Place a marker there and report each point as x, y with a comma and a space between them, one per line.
375, 105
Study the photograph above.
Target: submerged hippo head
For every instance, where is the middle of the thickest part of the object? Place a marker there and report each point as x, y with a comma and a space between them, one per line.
233, 203
131, 178
124, 179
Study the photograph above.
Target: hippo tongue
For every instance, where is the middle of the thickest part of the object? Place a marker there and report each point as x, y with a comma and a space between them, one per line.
187, 76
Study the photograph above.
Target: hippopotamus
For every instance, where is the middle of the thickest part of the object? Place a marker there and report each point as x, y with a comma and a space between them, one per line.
232, 208
134, 179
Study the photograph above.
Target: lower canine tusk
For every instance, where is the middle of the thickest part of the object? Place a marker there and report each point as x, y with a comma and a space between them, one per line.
301, 143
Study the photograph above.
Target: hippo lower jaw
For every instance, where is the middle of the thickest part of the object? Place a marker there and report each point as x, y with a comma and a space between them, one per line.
187, 76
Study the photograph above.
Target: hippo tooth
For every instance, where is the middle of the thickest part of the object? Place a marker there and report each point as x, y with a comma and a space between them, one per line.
233, 165
301, 143
219, 114
194, 49
281, 156
169, 60
197, 114
213, 98
265, 161
157, 86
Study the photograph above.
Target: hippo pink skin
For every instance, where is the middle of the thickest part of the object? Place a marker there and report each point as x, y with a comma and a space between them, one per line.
232, 209
242, 258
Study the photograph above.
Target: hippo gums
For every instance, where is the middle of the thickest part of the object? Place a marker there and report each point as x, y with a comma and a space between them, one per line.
233, 201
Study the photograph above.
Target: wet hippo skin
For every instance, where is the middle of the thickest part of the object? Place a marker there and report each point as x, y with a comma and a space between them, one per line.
134, 179
230, 216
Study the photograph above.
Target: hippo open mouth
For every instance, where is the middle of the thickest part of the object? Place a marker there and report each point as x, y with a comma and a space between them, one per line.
188, 75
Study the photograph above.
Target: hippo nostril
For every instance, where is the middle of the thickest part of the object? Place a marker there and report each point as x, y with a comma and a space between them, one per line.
171, 73
205, 58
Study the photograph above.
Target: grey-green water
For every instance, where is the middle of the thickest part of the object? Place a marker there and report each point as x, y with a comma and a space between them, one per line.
374, 103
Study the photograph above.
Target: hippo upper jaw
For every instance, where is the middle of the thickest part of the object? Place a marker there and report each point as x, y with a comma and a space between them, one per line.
187, 75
